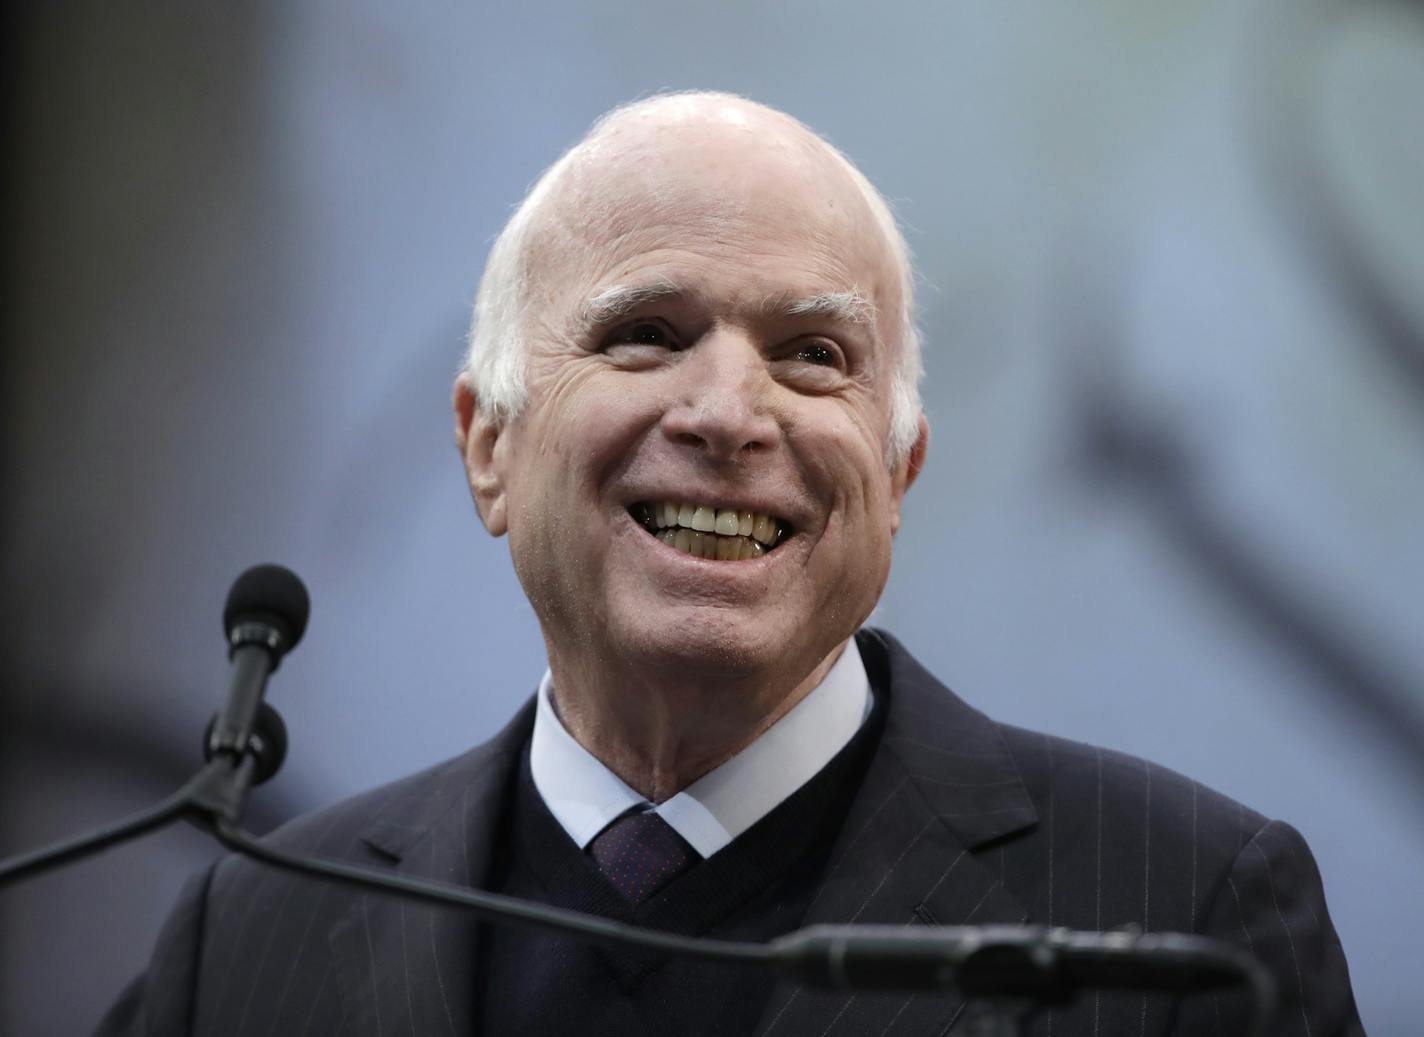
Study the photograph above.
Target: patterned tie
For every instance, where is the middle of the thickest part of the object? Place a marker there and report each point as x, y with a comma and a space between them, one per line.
640, 854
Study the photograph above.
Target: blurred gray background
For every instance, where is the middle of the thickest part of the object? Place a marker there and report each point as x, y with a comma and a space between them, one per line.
1172, 259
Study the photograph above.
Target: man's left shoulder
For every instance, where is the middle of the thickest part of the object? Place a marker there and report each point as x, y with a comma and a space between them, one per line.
1076, 797
1077, 782
1128, 842
1105, 840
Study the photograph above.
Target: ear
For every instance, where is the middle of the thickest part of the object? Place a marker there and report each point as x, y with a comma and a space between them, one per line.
906, 471
477, 435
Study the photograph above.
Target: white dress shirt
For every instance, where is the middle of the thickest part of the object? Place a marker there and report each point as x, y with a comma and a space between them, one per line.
584, 795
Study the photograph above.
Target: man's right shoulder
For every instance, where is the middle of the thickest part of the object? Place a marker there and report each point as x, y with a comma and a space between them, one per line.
363, 823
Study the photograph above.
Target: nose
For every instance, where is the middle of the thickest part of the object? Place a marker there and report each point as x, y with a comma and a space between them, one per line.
722, 402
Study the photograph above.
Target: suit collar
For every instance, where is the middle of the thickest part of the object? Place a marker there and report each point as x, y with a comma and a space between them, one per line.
942, 786
952, 754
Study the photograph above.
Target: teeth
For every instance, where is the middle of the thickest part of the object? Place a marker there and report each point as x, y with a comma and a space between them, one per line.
712, 546
706, 519
726, 535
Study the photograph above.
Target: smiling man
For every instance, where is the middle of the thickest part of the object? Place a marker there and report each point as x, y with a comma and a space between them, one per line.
714, 336
690, 405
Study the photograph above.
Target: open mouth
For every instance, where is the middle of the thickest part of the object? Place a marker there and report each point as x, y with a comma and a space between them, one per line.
704, 531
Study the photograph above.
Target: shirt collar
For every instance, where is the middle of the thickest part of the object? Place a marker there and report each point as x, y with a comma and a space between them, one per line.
584, 795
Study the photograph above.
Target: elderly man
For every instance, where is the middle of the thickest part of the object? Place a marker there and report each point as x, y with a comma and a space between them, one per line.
690, 403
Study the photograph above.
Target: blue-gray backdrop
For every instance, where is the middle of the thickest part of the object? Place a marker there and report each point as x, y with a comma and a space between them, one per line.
1174, 499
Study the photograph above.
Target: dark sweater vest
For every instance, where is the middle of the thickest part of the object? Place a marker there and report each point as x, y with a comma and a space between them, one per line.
758, 887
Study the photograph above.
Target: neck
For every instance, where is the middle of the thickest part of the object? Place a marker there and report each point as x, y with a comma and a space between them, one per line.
661, 732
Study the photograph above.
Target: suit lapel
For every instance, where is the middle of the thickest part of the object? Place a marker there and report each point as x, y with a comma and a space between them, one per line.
941, 786
405, 968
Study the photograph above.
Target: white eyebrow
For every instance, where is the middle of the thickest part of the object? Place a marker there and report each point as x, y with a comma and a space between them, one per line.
850, 307
619, 300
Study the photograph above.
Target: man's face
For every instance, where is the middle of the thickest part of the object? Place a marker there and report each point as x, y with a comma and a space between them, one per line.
712, 327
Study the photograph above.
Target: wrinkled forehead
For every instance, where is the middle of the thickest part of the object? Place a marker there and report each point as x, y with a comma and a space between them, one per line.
757, 181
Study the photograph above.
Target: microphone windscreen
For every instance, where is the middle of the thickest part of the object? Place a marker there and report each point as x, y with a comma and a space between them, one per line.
269, 593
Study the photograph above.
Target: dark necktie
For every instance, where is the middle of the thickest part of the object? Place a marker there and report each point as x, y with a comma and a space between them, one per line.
640, 854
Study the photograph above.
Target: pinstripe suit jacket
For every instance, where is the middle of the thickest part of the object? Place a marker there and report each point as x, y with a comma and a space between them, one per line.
959, 820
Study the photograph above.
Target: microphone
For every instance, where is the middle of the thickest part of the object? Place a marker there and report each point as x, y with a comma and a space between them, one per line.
1040, 963
264, 618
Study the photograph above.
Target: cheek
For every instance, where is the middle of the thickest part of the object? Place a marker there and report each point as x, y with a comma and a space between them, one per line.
583, 427
844, 456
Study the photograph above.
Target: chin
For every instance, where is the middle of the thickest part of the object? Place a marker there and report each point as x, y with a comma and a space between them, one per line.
724, 643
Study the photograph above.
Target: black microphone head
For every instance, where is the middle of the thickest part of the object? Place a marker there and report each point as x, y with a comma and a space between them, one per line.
269, 594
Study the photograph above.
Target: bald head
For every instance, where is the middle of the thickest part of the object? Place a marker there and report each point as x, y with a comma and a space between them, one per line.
705, 163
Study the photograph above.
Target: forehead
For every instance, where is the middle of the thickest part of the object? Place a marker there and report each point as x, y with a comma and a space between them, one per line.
758, 204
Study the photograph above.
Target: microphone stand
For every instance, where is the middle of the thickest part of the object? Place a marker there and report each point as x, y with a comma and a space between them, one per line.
1012, 970
217, 794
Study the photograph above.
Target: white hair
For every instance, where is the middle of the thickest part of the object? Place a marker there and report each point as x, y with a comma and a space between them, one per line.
496, 352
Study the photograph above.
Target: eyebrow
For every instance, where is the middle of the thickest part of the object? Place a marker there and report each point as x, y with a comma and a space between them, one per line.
618, 301
850, 307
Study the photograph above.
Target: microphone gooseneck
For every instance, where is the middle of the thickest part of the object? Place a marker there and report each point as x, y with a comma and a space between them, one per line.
264, 618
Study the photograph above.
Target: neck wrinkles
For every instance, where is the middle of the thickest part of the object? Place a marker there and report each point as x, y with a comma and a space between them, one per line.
661, 735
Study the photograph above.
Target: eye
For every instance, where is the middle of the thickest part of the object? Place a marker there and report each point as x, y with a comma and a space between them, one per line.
650, 333
812, 364
817, 353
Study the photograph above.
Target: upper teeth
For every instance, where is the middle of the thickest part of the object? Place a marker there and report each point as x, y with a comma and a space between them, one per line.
707, 519
709, 532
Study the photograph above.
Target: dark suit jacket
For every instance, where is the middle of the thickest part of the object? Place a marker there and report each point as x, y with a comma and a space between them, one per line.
959, 820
